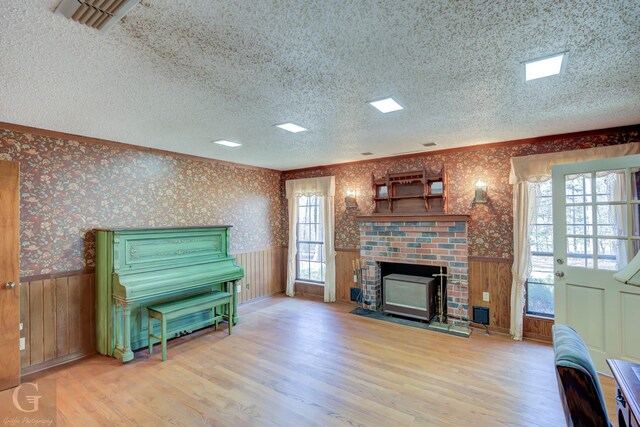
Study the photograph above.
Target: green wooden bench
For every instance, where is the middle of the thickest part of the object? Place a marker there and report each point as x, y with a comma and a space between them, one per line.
183, 307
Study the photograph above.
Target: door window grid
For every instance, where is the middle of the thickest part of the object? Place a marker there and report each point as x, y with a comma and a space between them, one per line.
310, 264
601, 231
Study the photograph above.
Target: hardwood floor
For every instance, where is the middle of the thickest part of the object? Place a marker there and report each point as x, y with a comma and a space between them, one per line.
300, 362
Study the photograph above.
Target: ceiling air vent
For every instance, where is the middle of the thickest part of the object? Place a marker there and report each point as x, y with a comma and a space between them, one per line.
98, 14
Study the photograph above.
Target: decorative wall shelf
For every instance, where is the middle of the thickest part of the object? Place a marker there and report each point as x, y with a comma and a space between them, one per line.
410, 192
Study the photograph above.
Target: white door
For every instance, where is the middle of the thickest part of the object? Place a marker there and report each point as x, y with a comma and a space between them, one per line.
596, 211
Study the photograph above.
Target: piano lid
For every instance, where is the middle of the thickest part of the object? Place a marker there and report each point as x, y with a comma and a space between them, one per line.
189, 227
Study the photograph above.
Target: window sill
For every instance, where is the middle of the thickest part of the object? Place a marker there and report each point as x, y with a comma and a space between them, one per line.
535, 316
302, 282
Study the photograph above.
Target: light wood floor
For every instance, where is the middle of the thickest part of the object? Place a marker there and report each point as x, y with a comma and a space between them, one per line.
300, 362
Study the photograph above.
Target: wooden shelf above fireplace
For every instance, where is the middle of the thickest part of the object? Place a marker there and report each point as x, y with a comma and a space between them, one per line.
415, 192
411, 218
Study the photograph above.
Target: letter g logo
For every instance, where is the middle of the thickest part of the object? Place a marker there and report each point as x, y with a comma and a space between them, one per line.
33, 400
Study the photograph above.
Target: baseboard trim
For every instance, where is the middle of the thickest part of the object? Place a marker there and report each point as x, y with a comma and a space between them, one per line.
53, 363
537, 337
496, 329
260, 298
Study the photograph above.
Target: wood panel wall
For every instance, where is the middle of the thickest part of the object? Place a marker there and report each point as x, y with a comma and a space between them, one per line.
493, 275
58, 320
537, 328
344, 273
313, 289
264, 273
58, 314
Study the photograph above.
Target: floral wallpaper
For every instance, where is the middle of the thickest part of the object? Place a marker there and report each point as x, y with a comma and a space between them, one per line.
491, 224
69, 188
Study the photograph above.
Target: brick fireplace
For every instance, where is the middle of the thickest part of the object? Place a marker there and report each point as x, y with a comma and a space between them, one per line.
430, 240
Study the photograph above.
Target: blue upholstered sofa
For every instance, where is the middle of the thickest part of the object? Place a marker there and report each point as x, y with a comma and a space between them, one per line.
580, 391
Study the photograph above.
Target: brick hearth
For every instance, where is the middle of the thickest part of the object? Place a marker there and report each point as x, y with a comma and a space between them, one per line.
438, 241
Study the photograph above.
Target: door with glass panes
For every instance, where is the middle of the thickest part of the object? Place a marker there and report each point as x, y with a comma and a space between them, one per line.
596, 211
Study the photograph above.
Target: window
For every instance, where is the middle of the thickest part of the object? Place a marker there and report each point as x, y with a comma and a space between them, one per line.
540, 281
310, 240
596, 235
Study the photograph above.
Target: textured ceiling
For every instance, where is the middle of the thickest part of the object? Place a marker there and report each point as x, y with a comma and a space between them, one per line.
178, 74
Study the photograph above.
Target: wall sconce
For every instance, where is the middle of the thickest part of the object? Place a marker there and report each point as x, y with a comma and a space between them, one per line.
481, 192
350, 199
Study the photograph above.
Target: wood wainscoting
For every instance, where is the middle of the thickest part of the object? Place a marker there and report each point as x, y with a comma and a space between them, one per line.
58, 313
493, 275
310, 289
344, 273
537, 328
264, 273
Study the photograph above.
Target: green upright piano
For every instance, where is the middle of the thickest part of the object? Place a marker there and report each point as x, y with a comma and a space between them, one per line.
139, 267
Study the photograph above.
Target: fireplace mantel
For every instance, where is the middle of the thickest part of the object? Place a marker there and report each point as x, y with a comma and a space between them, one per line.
412, 218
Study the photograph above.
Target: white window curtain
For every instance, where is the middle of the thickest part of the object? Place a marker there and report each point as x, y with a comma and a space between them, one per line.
618, 189
536, 168
325, 187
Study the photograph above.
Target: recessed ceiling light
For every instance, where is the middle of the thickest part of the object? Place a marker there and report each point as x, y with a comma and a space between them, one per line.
386, 105
550, 65
367, 153
429, 144
227, 143
291, 127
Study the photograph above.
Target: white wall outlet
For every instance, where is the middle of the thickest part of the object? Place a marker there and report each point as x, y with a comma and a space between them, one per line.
238, 288
23, 344
485, 296
21, 326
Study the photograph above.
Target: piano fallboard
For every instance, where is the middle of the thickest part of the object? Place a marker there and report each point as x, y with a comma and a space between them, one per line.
136, 268
132, 287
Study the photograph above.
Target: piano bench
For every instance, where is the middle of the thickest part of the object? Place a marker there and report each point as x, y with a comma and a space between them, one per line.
183, 307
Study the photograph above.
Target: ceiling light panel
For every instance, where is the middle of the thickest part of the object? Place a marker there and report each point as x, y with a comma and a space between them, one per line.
386, 105
291, 127
544, 67
227, 143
